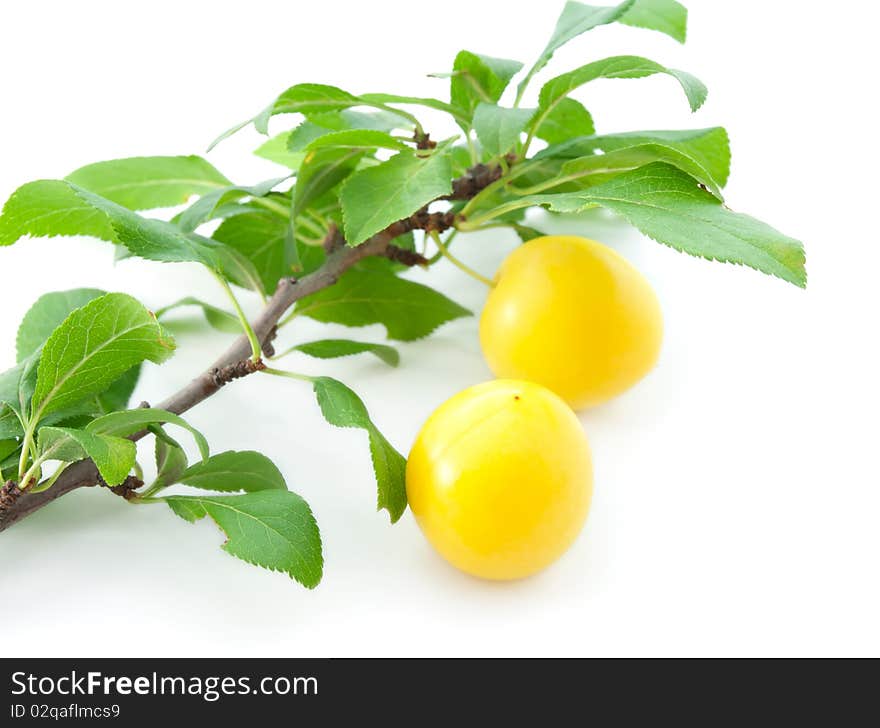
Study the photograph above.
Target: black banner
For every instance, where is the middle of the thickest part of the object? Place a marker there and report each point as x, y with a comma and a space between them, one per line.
546, 692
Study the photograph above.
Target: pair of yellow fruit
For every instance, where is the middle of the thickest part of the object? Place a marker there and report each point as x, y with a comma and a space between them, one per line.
500, 476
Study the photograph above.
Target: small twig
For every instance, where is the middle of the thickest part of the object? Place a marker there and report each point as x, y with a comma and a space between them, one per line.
423, 140
221, 376
333, 240
477, 179
127, 488
9, 494
407, 257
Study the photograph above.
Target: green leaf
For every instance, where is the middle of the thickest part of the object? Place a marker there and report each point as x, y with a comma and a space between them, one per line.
666, 16
262, 238
47, 312
7, 448
221, 320
46, 208
16, 390
407, 310
144, 183
151, 239
123, 424
343, 408
113, 456
526, 233
305, 134
53, 207
567, 119
162, 241
669, 206
627, 158
274, 529
576, 18
204, 208
318, 125
276, 150
118, 394
364, 139
558, 88
375, 197
321, 171
498, 129
93, 347
233, 471
10, 425
708, 148
477, 78
311, 98
170, 459
334, 348
428, 103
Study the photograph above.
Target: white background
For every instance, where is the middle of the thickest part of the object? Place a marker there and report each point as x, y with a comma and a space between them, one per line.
736, 488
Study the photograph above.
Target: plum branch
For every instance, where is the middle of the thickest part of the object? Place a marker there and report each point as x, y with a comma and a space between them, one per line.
236, 362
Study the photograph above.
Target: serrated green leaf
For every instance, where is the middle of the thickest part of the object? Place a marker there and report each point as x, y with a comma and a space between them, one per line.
334, 348
427, 102
599, 166
205, 207
151, 239
670, 207
113, 456
709, 148
567, 119
262, 238
44, 316
575, 19
162, 241
47, 208
219, 319
171, 460
118, 394
144, 183
276, 150
407, 310
234, 471
559, 87
305, 134
10, 424
7, 448
498, 128
313, 98
477, 78
320, 172
93, 347
272, 528
356, 139
54, 207
128, 422
526, 233
16, 390
375, 197
343, 408
665, 16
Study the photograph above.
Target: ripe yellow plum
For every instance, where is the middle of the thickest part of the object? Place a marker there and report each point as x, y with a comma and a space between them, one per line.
573, 315
500, 479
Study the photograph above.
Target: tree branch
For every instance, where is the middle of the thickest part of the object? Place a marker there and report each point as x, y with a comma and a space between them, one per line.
235, 362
